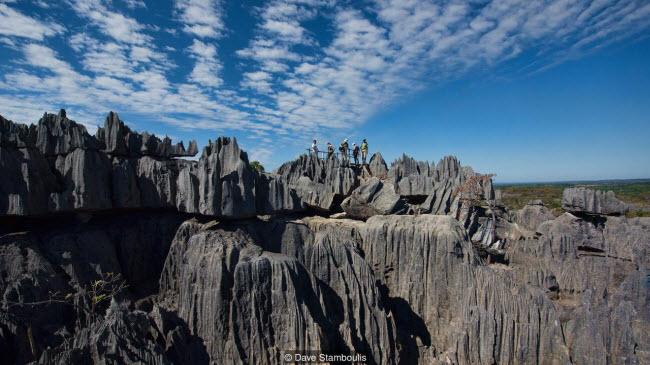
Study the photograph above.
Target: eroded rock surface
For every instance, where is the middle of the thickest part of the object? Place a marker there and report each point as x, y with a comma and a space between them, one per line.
532, 215
420, 274
583, 200
373, 197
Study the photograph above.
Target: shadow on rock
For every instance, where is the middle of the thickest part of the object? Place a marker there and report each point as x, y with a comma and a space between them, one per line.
411, 329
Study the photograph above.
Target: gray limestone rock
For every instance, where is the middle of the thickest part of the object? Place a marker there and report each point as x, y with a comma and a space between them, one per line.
14, 135
226, 180
49, 257
313, 194
26, 182
157, 182
320, 184
120, 140
125, 190
237, 297
598, 269
274, 195
373, 197
121, 337
583, 200
377, 166
448, 168
532, 215
86, 176
58, 135
187, 188
397, 288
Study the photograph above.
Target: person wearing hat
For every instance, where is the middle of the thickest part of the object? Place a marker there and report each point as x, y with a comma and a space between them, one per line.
355, 153
364, 151
330, 150
344, 149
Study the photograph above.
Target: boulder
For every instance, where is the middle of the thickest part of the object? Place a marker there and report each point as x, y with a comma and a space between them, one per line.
589, 201
532, 215
373, 197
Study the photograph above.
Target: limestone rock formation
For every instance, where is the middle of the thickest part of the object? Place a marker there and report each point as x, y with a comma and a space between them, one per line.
320, 184
377, 166
57, 166
583, 200
223, 264
120, 140
411, 177
122, 337
226, 180
247, 305
57, 135
532, 215
373, 197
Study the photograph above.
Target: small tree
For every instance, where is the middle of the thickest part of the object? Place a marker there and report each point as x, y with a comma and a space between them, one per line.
88, 300
472, 193
257, 166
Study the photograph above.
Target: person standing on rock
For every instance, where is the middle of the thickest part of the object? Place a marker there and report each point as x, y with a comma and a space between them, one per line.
355, 153
344, 147
330, 150
364, 151
314, 148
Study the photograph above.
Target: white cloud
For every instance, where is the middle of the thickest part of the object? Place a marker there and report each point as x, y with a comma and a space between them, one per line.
299, 77
16, 24
201, 18
116, 25
372, 61
207, 67
259, 80
135, 4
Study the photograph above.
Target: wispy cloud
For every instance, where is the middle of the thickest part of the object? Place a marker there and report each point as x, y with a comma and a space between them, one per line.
399, 47
114, 24
16, 24
207, 67
309, 67
201, 18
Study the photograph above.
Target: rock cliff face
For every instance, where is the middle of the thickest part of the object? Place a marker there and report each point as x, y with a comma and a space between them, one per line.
216, 263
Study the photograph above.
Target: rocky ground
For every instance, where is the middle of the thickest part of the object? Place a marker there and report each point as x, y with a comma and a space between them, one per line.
115, 250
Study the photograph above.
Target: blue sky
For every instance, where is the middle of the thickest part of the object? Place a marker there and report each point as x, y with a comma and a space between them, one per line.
529, 90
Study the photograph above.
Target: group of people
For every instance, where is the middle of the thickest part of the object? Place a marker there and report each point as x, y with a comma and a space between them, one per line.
344, 148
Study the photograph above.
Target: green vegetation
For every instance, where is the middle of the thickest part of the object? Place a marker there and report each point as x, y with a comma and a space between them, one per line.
634, 192
257, 166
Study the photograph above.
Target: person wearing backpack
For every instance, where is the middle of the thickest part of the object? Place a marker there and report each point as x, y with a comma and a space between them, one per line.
330, 150
344, 147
